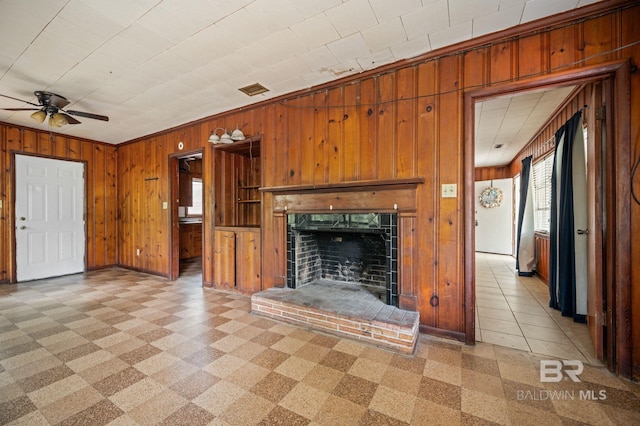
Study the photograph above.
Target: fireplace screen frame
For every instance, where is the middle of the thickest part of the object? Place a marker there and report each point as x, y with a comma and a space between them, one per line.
378, 223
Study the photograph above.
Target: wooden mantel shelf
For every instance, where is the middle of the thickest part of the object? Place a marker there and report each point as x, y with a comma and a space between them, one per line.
249, 147
357, 185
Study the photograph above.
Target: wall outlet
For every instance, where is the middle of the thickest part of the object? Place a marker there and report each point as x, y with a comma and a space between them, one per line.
449, 190
165, 205
138, 251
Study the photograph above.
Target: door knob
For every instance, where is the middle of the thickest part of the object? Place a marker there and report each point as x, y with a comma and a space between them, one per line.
22, 218
23, 227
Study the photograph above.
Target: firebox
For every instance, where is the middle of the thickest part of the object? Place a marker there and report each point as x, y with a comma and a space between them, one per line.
353, 249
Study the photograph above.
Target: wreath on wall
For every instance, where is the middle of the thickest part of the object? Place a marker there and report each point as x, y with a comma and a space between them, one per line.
491, 197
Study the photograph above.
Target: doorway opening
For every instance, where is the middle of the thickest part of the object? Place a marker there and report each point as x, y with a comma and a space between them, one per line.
515, 293
187, 191
607, 328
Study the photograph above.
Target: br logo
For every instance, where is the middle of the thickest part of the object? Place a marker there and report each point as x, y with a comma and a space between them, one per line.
552, 370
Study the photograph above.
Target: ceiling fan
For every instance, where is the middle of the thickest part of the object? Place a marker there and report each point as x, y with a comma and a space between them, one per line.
52, 105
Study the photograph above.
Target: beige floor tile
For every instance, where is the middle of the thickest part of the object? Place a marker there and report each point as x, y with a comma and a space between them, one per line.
157, 408
304, 400
556, 350
219, 397
503, 339
482, 405
53, 392
134, 395
500, 326
385, 401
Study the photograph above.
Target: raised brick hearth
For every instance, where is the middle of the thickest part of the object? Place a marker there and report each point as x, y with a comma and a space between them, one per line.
345, 310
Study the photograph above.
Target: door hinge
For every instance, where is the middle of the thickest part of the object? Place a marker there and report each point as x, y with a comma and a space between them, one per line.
601, 112
601, 318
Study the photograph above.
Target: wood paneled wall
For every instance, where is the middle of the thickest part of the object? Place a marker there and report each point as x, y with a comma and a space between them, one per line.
100, 180
398, 122
489, 173
542, 256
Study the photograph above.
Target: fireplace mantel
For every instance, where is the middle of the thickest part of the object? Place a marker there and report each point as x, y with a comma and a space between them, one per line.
348, 186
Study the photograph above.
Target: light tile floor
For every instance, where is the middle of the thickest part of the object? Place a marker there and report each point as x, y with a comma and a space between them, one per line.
123, 348
514, 311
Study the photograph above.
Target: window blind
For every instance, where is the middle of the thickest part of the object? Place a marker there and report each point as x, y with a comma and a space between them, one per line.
542, 193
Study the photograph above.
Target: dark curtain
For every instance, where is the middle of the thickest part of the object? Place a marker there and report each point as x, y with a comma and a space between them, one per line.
562, 274
525, 176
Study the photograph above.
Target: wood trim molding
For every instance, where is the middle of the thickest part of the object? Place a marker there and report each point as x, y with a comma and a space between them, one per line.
359, 185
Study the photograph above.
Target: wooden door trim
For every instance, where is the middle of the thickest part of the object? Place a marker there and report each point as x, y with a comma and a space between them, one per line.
619, 286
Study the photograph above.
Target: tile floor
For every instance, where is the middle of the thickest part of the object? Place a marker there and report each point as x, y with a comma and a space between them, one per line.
514, 311
124, 348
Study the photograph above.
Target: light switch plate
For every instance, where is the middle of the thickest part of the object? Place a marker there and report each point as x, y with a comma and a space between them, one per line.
165, 205
449, 190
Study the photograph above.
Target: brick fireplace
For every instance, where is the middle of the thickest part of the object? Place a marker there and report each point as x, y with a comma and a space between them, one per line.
352, 249
343, 260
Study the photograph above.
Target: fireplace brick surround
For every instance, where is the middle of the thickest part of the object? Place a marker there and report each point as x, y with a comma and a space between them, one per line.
337, 307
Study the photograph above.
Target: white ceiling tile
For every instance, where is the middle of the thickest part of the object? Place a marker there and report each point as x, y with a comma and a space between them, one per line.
315, 31
310, 8
462, 11
272, 49
206, 44
156, 21
386, 10
350, 47
91, 20
243, 27
412, 48
319, 58
536, 9
376, 59
198, 13
451, 35
427, 20
352, 16
385, 35
497, 21
227, 7
122, 12
275, 14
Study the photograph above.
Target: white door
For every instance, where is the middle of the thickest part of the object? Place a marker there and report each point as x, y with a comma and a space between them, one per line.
50, 231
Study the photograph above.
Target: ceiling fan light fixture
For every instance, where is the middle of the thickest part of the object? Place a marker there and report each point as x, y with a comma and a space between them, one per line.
57, 120
39, 116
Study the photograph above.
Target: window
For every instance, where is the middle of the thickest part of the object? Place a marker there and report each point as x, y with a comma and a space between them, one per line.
542, 171
196, 207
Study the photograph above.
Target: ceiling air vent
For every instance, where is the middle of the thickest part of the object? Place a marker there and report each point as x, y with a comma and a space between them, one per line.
254, 89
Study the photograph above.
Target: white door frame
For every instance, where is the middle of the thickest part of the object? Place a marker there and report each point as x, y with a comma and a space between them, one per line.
13, 216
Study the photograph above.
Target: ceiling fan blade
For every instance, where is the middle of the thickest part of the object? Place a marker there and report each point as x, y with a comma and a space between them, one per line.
21, 100
88, 115
70, 119
20, 109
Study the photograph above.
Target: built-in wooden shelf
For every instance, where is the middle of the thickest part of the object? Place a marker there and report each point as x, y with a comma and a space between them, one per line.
249, 147
357, 185
247, 201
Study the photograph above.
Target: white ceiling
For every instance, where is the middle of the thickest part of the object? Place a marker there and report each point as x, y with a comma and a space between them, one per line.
511, 121
154, 64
